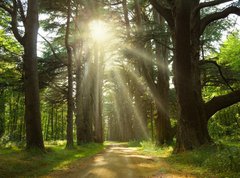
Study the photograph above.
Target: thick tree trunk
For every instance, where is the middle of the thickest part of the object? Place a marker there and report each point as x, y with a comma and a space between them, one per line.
34, 136
184, 21
192, 130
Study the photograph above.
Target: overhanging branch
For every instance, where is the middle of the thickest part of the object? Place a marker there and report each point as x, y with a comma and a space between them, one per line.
218, 15
12, 11
219, 70
221, 102
211, 3
51, 47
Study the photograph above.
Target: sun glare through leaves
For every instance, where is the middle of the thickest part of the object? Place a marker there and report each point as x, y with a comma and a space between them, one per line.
99, 31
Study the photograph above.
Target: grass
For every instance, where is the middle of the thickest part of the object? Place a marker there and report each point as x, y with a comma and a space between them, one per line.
208, 161
15, 162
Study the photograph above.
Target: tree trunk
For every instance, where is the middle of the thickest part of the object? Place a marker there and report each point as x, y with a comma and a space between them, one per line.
87, 104
52, 122
2, 113
187, 27
191, 123
97, 94
70, 104
126, 18
34, 136
62, 124
79, 101
56, 134
163, 126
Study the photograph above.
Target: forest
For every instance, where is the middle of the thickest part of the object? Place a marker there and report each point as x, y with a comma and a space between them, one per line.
86, 77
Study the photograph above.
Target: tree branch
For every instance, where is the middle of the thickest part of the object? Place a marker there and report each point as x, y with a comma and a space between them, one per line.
166, 13
221, 102
218, 15
51, 47
14, 23
21, 11
219, 70
211, 3
12, 11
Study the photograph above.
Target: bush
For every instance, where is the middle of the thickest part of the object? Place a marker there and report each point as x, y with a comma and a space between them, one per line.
225, 160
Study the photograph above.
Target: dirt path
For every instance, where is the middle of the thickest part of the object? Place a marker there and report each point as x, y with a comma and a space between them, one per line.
116, 162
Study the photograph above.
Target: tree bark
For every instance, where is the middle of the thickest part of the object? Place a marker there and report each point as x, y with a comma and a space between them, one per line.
79, 101
189, 134
163, 126
34, 136
70, 103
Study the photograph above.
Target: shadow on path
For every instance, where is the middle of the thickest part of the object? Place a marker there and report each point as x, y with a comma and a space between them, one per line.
116, 161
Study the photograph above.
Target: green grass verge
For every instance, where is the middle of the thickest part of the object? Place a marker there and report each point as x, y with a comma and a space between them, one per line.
15, 162
209, 161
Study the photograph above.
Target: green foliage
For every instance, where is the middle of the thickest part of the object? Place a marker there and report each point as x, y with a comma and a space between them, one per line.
150, 147
8, 44
225, 161
134, 143
230, 50
218, 160
213, 34
10, 76
225, 124
34, 163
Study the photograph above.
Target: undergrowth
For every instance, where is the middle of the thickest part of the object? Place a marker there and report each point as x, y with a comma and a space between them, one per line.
218, 160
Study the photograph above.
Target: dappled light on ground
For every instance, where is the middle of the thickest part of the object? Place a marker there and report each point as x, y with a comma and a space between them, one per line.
120, 162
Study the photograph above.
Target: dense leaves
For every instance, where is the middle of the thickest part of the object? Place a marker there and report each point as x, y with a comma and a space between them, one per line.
230, 51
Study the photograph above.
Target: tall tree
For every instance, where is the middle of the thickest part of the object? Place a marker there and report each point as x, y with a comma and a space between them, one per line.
183, 17
28, 40
70, 103
163, 126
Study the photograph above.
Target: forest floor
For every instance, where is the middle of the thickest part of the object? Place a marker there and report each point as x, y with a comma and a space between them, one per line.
121, 161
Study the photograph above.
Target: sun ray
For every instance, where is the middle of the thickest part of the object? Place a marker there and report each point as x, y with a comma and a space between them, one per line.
142, 84
136, 110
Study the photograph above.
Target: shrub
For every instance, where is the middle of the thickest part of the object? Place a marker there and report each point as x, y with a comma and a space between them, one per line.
225, 160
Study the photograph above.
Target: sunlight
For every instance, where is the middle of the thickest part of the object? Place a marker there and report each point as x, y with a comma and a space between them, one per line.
99, 30
135, 109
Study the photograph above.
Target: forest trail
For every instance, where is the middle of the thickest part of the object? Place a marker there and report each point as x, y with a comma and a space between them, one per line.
117, 161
